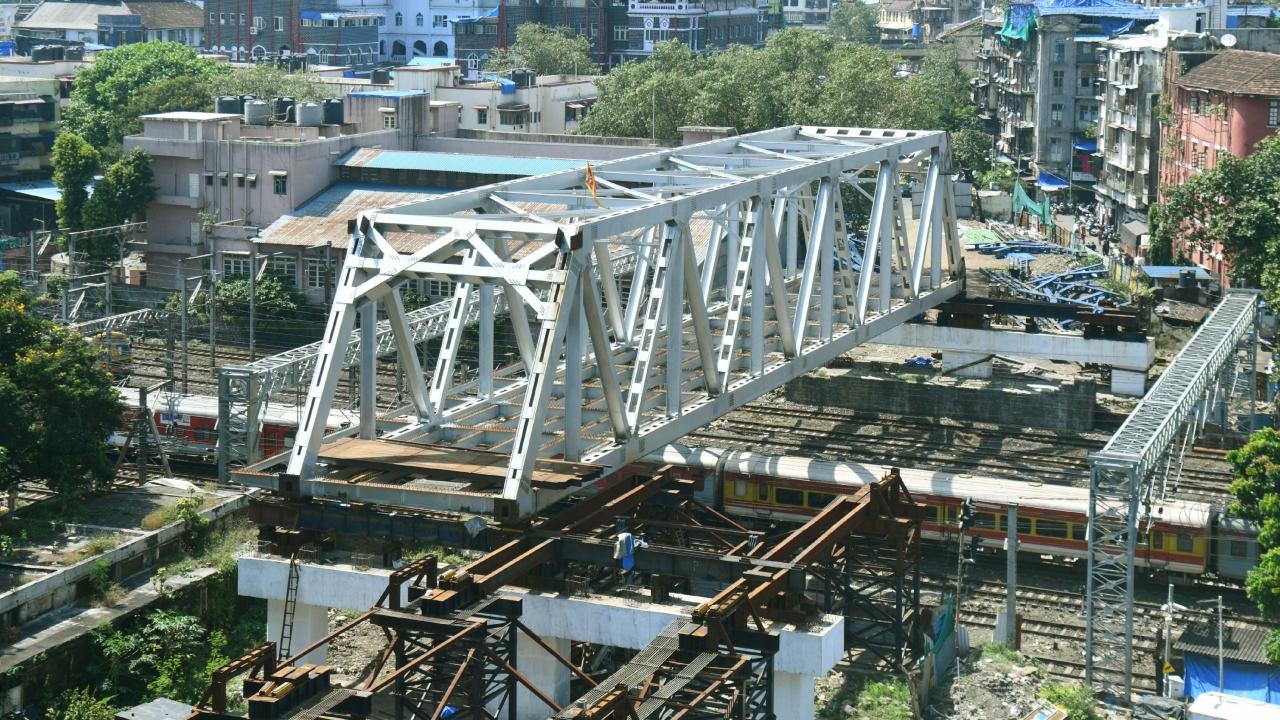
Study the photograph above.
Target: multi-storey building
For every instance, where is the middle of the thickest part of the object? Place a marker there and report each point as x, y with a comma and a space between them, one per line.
1220, 106
113, 22
812, 14
619, 30
328, 32
1128, 134
526, 102
216, 167
415, 29
1039, 67
28, 126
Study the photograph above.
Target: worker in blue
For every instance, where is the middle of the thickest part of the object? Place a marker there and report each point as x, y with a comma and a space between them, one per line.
624, 549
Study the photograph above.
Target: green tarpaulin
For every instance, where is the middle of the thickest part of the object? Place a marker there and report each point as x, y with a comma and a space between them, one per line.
1022, 202
1019, 21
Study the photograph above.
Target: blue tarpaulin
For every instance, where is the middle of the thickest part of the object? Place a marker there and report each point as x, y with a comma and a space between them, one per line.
478, 18
1115, 16
1049, 181
1086, 145
1247, 680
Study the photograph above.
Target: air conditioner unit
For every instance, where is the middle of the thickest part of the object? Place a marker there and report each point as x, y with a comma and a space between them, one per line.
254, 30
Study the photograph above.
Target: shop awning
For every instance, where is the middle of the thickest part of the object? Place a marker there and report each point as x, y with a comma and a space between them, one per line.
1049, 181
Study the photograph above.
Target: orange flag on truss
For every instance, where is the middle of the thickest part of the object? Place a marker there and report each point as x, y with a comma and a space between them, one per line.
589, 180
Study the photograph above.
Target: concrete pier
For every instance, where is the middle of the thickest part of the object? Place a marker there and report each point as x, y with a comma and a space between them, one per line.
630, 621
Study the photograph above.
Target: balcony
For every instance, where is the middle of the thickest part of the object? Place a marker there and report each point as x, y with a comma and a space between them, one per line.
179, 200
1122, 119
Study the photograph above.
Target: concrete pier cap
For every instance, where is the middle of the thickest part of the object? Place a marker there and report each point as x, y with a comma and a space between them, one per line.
626, 621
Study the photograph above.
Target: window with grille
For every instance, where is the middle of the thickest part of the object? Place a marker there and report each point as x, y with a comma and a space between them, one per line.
284, 268
233, 265
1059, 77
280, 184
315, 274
620, 33
1273, 113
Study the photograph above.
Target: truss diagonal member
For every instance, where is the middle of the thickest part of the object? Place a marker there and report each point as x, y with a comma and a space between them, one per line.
442, 379
605, 368
518, 486
740, 267
878, 230
654, 315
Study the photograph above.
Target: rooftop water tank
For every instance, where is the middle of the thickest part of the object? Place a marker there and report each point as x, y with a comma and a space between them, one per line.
283, 105
310, 114
381, 76
333, 111
229, 105
256, 112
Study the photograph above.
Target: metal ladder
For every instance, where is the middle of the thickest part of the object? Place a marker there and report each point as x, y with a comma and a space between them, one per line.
290, 607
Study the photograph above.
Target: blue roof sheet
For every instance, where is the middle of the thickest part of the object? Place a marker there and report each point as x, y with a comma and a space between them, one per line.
1170, 272
39, 189
432, 62
456, 162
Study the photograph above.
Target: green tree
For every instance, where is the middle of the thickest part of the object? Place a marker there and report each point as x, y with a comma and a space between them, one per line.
629, 94
999, 175
855, 21
59, 402
544, 50
180, 93
268, 81
99, 105
80, 704
74, 163
273, 298
971, 150
1256, 487
1234, 204
122, 194
937, 97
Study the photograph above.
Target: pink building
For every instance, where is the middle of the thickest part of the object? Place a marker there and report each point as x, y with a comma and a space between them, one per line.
1225, 104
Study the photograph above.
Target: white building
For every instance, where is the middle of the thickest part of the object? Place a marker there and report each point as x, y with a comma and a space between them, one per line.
415, 29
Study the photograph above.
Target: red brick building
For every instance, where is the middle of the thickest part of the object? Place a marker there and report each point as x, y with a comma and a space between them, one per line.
1225, 104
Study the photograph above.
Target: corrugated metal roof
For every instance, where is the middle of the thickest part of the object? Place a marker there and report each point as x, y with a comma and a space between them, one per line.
1238, 643
323, 218
455, 162
1242, 72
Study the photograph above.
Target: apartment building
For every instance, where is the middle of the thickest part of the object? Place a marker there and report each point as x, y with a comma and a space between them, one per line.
216, 168
1040, 64
415, 29
1128, 135
28, 125
812, 14
327, 32
525, 102
620, 30
1222, 105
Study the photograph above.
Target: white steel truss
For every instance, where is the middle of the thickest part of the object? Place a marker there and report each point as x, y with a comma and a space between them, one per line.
745, 278
1122, 487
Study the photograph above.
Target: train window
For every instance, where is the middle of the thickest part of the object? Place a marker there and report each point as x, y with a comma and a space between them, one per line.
1079, 531
951, 514
820, 500
1157, 540
762, 491
740, 488
986, 520
783, 496
1184, 542
1239, 549
206, 435
1024, 526
1051, 528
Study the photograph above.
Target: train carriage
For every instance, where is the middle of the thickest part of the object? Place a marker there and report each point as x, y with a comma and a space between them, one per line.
1052, 519
189, 424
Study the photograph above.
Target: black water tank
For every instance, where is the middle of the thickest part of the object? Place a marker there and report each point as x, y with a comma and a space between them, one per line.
1186, 278
282, 107
333, 111
381, 76
75, 52
229, 105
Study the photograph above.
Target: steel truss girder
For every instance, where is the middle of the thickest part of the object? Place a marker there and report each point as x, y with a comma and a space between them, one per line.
1121, 477
696, 341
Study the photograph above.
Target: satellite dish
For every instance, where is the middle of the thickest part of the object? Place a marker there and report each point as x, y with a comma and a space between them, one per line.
1228, 40
1121, 91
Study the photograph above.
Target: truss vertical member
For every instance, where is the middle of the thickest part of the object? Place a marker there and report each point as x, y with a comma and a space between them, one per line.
1120, 483
703, 344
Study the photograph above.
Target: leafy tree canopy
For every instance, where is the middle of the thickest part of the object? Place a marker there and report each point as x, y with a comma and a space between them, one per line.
813, 78
1256, 487
74, 162
546, 51
59, 402
855, 21
268, 81
131, 80
1234, 203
